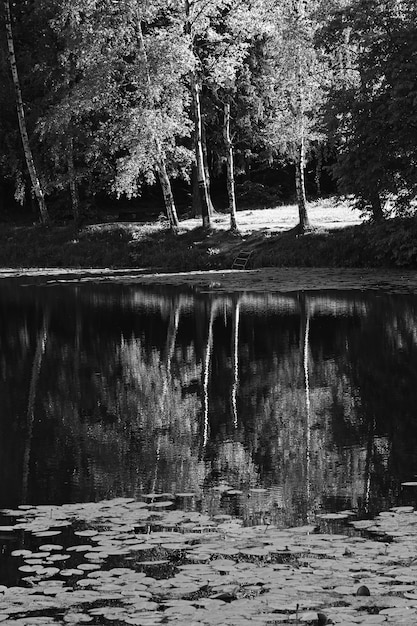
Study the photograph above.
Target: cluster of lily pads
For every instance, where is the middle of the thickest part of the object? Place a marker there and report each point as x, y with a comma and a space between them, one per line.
126, 562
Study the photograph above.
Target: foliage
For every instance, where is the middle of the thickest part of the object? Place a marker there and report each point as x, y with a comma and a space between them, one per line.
117, 105
106, 87
370, 110
290, 50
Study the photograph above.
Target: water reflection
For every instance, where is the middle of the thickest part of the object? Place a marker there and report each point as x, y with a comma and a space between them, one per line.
271, 407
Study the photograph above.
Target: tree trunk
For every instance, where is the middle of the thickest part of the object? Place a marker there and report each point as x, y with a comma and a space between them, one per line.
168, 196
196, 201
206, 167
300, 156
303, 222
160, 159
229, 167
377, 212
319, 168
196, 204
201, 176
36, 186
203, 190
75, 200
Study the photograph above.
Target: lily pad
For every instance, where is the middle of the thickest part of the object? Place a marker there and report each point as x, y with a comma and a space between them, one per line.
77, 618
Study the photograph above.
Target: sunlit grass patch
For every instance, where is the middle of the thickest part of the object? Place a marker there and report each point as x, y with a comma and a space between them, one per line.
337, 239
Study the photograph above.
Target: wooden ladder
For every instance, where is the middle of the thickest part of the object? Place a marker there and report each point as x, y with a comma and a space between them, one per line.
242, 260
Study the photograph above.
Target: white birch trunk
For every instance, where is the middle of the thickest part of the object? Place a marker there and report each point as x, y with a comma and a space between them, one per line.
230, 167
303, 223
201, 176
203, 190
161, 165
36, 185
168, 196
300, 148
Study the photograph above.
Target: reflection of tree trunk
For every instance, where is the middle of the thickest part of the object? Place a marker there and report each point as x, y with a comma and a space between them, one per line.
36, 186
235, 353
229, 167
77, 370
206, 372
369, 465
304, 349
174, 320
308, 414
30, 413
157, 459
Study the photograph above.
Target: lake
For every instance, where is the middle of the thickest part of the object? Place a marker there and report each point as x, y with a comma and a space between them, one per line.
275, 408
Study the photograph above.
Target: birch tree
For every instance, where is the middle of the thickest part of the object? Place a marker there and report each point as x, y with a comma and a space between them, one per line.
230, 41
196, 15
126, 97
293, 90
160, 153
230, 167
300, 111
36, 185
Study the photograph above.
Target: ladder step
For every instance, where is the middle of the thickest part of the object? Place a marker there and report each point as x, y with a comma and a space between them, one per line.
241, 260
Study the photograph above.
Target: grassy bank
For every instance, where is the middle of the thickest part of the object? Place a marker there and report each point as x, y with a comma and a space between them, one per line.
273, 244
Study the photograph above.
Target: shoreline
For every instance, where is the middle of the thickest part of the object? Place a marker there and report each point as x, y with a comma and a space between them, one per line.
266, 238
270, 279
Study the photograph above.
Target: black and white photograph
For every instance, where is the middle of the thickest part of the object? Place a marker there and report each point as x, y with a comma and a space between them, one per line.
208, 312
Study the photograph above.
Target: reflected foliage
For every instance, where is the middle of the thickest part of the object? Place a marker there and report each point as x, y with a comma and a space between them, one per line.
270, 407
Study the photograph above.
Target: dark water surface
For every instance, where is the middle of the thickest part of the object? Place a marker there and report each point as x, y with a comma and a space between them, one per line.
266, 406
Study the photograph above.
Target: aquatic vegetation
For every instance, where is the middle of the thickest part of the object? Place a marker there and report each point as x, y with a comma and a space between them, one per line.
126, 562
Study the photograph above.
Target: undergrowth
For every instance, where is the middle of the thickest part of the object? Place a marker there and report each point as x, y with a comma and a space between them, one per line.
392, 243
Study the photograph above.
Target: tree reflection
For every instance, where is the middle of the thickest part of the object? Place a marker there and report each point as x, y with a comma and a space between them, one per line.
235, 361
132, 390
33, 387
